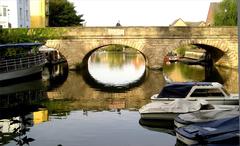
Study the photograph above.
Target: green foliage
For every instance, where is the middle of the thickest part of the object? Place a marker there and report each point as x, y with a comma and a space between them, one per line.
58, 107
181, 51
62, 13
119, 48
21, 35
227, 14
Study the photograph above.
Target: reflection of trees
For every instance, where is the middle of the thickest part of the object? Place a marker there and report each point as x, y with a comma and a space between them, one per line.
22, 130
15, 123
183, 72
15, 129
116, 56
117, 59
209, 74
194, 72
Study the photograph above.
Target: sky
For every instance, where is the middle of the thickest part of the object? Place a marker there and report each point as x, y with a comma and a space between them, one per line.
141, 12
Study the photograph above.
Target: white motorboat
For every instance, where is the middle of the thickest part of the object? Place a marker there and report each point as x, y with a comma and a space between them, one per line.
212, 92
204, 116
168, 111
20, 60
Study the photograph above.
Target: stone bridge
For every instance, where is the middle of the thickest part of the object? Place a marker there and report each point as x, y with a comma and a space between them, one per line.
153, 42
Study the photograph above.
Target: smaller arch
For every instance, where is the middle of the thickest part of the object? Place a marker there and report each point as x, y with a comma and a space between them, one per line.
217, 49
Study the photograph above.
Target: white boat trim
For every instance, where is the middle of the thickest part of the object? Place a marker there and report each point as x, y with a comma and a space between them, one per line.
186, 140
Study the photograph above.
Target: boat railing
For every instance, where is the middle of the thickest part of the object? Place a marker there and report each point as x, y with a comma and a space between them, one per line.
13, 64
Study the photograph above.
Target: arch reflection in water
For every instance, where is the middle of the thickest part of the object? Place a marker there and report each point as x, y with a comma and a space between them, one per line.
180, 72
116, 68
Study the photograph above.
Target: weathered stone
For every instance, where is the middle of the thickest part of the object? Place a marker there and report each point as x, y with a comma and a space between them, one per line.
153, 42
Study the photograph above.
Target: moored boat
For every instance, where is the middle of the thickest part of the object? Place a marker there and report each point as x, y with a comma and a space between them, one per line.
168, 111
20, 60
52, 55
204, 116
221, 131
213, 92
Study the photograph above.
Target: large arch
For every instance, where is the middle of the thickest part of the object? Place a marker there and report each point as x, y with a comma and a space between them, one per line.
85, 58
74, 55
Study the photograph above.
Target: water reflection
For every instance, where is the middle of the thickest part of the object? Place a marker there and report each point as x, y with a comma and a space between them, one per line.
114, 68
179, 72
54, 75
163, 126
15, 127
68, 110
21, 104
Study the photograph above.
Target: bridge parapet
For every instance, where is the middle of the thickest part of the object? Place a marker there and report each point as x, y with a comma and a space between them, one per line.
145, 32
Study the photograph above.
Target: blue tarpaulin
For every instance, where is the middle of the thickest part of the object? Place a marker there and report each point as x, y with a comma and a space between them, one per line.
217, 131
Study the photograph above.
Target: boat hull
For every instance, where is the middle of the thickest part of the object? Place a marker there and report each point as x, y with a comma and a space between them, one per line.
219, 101
21, 73
206, 115
159, 116
185, 140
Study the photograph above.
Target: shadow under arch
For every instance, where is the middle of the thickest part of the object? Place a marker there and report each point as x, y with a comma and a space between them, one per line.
213, 53
109, 88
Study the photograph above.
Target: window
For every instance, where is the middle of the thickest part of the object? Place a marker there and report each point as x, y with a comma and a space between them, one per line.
207, 93
20, 14
3, 11
199, 93
215, 93
27, 15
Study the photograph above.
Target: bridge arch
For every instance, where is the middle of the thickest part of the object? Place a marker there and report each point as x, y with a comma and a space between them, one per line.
85, 58
219, 50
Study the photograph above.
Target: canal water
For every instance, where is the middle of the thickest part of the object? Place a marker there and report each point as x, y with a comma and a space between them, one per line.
97, 106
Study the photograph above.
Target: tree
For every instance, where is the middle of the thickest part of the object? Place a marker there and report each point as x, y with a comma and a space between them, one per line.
226, 15
62, 13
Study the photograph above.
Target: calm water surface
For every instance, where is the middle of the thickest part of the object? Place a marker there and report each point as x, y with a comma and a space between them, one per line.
72, 109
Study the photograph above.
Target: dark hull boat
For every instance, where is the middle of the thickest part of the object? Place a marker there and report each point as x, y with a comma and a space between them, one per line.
222, 131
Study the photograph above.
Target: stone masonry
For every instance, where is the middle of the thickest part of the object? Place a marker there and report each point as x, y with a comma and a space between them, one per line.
153, 42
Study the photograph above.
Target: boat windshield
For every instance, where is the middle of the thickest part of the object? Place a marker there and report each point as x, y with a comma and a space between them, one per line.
175, 91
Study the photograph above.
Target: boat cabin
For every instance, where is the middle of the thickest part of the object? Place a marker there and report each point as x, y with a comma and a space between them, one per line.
18, 60
210, 91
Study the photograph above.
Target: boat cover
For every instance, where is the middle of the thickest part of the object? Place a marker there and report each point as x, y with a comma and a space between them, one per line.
20, 45
178, 90
176, 106
206, 115
217, 131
